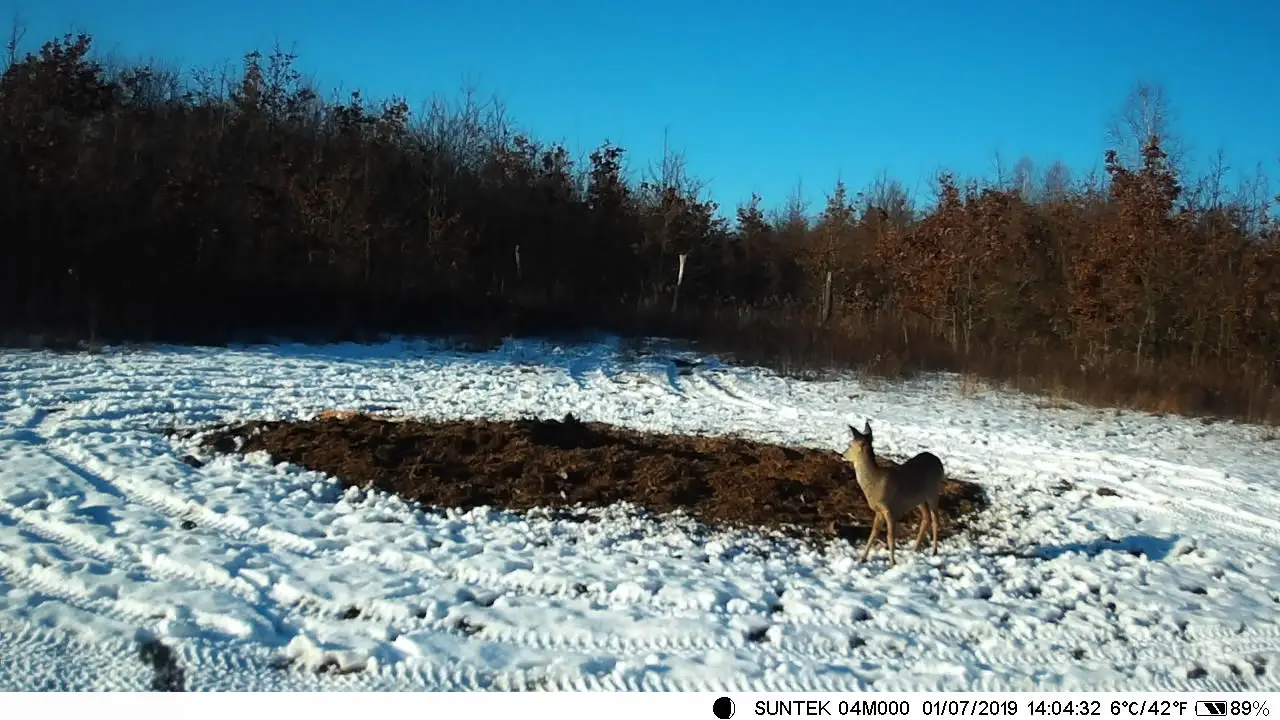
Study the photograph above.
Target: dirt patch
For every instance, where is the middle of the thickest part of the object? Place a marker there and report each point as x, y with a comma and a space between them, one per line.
721, 481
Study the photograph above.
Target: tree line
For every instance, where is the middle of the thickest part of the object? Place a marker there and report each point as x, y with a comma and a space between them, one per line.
140, 204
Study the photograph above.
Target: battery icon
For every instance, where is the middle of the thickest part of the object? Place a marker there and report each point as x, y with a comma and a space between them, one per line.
1211, 708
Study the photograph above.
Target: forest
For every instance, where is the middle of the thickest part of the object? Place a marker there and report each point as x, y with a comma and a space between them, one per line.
139, 204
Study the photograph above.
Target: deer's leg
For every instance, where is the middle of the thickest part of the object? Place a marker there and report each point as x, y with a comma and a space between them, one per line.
924, 525
933, 520
890, 524
875, 528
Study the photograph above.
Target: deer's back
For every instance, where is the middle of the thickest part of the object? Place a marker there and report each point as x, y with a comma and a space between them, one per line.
915, 481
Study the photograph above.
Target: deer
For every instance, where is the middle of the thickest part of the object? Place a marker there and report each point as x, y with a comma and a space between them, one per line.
892, 489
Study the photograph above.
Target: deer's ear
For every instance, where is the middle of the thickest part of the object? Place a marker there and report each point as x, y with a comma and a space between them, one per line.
853, 430
866, 430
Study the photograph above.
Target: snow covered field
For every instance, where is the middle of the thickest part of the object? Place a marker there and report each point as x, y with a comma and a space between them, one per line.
256, 575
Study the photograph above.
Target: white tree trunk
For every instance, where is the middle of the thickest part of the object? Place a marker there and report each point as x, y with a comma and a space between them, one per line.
826, 300
675, 298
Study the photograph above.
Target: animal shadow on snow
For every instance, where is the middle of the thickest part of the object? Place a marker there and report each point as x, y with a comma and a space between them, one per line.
1152, 547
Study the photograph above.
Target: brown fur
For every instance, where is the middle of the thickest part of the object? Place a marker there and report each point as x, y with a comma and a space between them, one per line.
894, 489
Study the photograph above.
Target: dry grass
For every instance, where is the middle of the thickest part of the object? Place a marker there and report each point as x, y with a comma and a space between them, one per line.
894, 349
970, 384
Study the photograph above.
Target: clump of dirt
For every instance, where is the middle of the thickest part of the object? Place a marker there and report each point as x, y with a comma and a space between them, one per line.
519, 465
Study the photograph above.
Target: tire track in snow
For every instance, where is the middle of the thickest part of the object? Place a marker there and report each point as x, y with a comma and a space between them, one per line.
788, 650
78, 664
243, 667
159, 566
162, 566
64, 587
828, 650
646, 370
213, 664
962, 647
1187, 476
141, 612
727, 381
169, 504
98, 474
1028, 463
1205, 483
302, 601
49, 581
709, 391
1191, 653
640, 386
133, 613
768, 653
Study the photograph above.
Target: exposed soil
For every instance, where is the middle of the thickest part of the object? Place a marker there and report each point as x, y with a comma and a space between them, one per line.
721, 481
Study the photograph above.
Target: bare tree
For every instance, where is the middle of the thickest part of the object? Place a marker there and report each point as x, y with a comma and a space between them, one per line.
1209, 193
889, 195
1023, 180
1254, 196
17, 31
792, 219
998, 167
1145, 114
1057, 181
671, 173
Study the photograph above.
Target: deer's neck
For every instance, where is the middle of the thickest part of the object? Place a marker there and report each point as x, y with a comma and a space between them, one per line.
869, 473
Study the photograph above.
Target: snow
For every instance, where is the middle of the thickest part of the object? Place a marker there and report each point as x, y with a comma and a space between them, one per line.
269, 577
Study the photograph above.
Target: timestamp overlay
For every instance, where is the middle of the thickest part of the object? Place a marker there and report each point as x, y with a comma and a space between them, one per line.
995, 704
619, 705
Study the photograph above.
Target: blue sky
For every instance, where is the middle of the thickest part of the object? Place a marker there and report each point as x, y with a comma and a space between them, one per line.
762, 95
